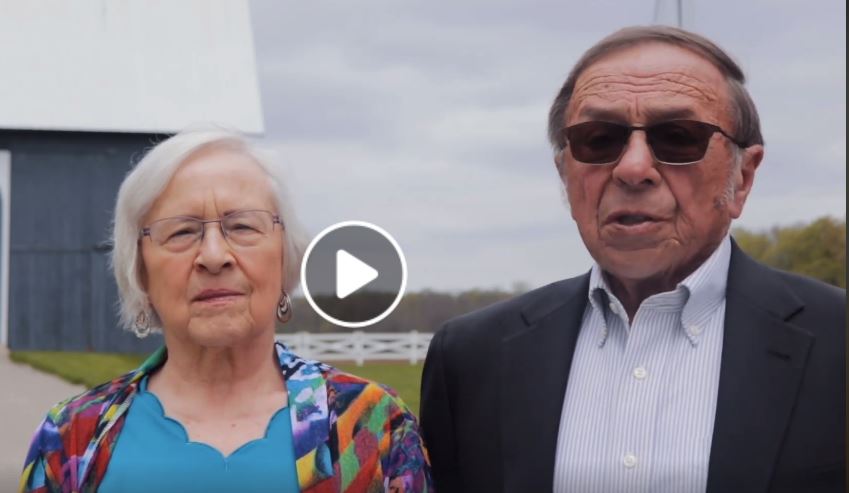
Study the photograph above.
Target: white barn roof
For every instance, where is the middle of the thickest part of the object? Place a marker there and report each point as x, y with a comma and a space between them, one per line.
127, 66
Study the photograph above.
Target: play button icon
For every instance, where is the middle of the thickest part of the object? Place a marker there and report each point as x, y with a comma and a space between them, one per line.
353, 274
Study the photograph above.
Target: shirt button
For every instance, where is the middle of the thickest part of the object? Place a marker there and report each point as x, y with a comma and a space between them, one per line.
695, 329
629, 460
614, 308
640, 373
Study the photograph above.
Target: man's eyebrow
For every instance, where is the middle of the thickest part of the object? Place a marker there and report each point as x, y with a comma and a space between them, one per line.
652, 115
666, 114
603, 114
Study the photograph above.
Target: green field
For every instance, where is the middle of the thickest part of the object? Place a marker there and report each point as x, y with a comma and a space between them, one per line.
90, 369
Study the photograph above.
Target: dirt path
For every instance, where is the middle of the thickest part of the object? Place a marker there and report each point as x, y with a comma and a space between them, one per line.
25, 396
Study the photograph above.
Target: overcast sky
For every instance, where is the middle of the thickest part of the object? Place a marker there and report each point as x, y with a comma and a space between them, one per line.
428, 119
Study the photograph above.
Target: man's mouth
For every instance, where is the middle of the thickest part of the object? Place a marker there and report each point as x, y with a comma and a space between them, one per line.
633, 219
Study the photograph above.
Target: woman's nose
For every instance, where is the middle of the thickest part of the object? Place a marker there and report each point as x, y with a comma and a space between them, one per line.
214, 252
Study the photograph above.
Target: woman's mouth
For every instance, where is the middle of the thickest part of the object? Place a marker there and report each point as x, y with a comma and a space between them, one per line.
216, 296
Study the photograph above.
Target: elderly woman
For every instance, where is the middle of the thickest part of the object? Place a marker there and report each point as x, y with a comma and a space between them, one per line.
206, 249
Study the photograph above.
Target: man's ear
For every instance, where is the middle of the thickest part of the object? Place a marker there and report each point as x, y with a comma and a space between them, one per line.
558, 161
744, 178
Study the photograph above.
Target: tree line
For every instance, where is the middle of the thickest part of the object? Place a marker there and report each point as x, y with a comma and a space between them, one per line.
424, 311
816, 249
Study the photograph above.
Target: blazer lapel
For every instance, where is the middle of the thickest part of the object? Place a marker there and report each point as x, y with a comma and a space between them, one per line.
763, 360
536, 356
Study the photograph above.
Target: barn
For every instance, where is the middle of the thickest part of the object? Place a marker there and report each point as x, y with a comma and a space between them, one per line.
87, 87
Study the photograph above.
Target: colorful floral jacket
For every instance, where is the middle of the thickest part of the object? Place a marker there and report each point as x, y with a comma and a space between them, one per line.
351, 435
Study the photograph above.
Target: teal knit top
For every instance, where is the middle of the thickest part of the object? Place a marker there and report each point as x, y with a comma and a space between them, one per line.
154, 453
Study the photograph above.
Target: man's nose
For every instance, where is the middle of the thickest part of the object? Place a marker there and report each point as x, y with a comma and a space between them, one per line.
636, 168
214, 253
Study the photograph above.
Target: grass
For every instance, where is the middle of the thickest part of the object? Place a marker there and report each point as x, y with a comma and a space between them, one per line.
87, 369
91, 369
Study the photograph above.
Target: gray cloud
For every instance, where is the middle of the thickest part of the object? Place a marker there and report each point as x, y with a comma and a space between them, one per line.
429, 119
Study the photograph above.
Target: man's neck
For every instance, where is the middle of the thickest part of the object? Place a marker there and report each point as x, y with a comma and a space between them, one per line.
632, 292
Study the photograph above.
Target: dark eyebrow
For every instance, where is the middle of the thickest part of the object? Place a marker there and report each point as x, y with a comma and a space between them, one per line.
601, 114
667, 114
652, 115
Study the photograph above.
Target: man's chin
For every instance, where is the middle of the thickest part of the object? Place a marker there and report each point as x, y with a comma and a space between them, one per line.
627, 243
635, 263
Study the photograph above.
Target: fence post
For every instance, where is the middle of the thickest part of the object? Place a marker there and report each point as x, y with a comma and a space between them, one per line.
359, 355
303, 343
414, 347
358, 346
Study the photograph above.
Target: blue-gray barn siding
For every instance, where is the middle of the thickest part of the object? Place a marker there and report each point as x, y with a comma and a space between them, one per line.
62, 295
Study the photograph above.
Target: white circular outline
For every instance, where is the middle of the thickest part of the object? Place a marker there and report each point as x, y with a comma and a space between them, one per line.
385, 313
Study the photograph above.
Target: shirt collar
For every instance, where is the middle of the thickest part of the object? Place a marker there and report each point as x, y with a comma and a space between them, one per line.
696, 297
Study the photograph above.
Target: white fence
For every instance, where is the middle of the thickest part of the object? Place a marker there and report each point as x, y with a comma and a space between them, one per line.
359, 346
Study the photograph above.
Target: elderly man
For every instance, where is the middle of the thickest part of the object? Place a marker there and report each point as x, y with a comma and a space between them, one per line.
677, 364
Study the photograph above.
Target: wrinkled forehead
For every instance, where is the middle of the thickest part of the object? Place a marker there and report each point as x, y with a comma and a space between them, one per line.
649, 82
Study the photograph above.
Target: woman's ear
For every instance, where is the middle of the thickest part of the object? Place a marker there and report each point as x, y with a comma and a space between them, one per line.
142, 272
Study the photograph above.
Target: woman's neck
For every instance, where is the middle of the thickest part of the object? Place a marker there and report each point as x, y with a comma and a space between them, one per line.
206, 375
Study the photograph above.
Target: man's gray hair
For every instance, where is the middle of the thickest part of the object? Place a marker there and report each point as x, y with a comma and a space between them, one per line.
747, 127
148, 179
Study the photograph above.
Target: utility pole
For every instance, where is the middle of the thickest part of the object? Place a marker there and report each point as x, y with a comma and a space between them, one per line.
668, 12
680, 23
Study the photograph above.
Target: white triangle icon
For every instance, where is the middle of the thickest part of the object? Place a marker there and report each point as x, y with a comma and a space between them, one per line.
351, 274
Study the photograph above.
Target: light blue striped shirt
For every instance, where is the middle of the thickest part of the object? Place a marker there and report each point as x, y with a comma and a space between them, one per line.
639, 407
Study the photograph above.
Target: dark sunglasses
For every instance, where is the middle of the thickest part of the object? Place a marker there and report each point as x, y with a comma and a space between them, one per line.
674, 142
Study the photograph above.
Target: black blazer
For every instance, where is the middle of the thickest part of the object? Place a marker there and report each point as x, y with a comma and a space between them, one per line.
494, 382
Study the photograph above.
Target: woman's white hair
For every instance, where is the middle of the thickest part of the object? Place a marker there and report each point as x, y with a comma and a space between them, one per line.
147, 180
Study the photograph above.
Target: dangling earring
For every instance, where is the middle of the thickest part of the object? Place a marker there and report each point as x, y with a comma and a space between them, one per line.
142, 325
284, 308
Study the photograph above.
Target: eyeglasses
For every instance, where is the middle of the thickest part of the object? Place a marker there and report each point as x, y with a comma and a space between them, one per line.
240, 228
674, 142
